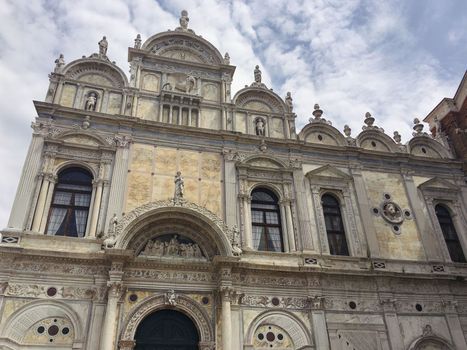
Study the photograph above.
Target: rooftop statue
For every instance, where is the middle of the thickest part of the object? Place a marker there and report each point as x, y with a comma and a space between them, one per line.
257, 74
289, 102
103, 45
59, 63
138, 42
184, 20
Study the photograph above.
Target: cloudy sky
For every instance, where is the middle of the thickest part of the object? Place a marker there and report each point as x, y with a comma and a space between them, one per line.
396, 59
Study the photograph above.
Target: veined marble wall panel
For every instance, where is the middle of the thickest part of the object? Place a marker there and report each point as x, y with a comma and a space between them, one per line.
96, 79
68, 95
81, 139
240, 122
407, 244
153, 170
276, 128
210, 91
147, 109
151, 82
115, 103
210, 118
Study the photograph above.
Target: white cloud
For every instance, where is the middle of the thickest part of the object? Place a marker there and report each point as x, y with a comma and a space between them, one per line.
349, 56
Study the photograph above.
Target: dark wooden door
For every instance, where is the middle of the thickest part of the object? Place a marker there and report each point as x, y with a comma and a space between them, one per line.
167, 330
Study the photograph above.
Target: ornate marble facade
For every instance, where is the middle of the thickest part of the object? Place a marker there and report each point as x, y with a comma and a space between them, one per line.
181, 171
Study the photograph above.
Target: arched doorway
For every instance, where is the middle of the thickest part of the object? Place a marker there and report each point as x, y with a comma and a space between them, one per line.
167, 330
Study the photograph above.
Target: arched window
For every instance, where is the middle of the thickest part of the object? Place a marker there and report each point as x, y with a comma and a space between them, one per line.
266, 224
70, 204
334, 225
450, 234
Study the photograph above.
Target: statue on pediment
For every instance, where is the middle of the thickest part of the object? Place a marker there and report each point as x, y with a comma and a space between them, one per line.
184, 20
103, 45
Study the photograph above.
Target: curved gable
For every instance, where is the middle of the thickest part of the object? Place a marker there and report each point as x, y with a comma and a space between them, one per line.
425, 146
96, 72
322, 133
375, 140
183, 46
258, 99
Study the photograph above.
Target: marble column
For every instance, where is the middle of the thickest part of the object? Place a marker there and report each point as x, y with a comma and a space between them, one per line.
290, 230
119, 177
365, 213
392, 323
284, 227
96, 208
41, 203
427, 234
318, 319
226, 319
247, 239
230, 175
109, 328
302, 209
27, 182
48, 202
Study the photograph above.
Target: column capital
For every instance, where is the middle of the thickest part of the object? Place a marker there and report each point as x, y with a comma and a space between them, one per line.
317, 302
115, 289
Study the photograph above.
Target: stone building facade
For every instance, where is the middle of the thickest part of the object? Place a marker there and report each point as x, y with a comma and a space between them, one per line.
165, 212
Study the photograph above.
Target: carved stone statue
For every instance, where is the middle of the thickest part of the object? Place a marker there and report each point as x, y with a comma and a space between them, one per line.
179, 186
289, 101
236, 250
103, 45
109, 241
257, 74
226, 58
260, 126
397, 137
113, 223
171, 298
91, 102
437, 124
184, 19
187, 85
59, 63
138, 42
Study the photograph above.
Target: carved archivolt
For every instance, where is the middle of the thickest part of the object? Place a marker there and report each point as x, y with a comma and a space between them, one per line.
154, 303
287, 321
18, 324
128, 227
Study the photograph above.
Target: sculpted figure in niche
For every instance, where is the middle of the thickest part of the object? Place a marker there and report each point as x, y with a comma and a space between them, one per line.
179, 186
103, 45
260, 127
91, 102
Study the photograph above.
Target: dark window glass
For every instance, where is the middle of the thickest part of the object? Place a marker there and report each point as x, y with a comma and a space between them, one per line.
450, 234
266, 224
70, 204
334, 225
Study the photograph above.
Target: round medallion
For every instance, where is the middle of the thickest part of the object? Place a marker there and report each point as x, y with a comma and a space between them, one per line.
391, 212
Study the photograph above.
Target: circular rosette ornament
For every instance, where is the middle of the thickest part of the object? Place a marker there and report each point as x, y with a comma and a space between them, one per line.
391, 212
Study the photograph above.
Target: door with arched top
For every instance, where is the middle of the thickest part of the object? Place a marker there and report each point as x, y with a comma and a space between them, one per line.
167, 330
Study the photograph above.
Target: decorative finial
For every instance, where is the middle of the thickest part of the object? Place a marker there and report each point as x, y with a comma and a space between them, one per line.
227, 58
59, 63
103, 45
369, 120
347, 130
86, 122
257, 73
317, 111
289, 102
138, 42
397, 137
418, 127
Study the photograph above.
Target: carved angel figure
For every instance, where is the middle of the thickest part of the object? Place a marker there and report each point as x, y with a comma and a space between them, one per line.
171, 298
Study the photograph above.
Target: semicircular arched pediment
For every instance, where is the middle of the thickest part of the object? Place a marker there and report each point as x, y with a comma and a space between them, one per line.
322, 133
96, 72
183, 46
259, 99
376, 140
185, 218
425, 146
